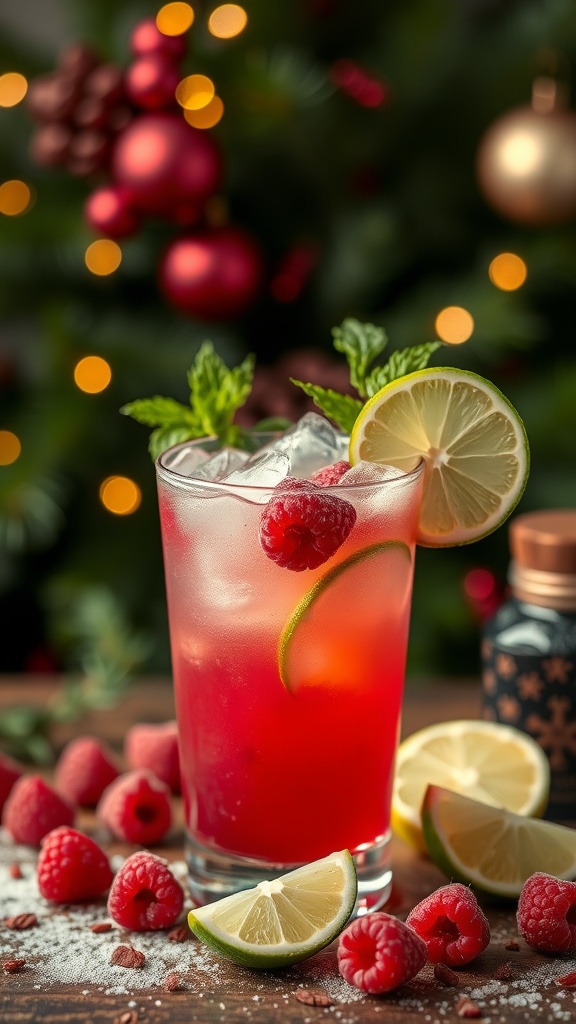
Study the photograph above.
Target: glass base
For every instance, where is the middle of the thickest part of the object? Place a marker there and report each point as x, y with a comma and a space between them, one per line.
213, 874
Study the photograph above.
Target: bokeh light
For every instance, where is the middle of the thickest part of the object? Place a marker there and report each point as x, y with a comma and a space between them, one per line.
507, 271
103, 257
227, 21
10, 447
92, 374
479, 584
120, 495
15, 197
207, 116
174, 19
454, 325
195, 92
13, 88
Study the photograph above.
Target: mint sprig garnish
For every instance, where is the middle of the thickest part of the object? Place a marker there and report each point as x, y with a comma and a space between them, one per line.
216, 393
362, 344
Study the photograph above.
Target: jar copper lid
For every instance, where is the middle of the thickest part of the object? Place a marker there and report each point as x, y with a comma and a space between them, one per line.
545, 540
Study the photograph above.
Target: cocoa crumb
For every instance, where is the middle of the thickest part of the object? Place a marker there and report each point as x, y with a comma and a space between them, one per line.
512, 945
16, 871
172, 983
503, 972
567, 980
446, 975
13, 965
127, 956
101, 927
179, 934
466, 1008
128, 1017
21, 921
313, 997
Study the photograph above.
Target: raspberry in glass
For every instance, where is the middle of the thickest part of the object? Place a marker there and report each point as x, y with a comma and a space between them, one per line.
145, 895
136, 807
33, 809
71, 867
302, 526
377, 953
85, 768
452, 924
546, 914
329, 476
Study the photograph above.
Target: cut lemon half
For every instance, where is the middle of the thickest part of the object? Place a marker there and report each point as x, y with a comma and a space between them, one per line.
491, 762
305, 658
491, 848
282, 921
472, 440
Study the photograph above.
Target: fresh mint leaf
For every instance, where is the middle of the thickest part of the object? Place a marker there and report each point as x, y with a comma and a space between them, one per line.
165, 437
401, 362
343, 409
361, 344
159, 412
273, 424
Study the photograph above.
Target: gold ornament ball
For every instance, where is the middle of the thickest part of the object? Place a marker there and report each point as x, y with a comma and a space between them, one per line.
526, 166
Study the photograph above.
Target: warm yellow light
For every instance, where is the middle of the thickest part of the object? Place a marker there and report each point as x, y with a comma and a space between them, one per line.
13, 88
103, 257
227, 21
507, 271
522, 154
120, 495
15, 197
174, 19
208, 116
10, 447
194, 92
92, 374
454, 325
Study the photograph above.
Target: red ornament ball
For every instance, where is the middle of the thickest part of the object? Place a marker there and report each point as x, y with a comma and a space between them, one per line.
148, 39
213, 275
108, 210
151, 82
166, 163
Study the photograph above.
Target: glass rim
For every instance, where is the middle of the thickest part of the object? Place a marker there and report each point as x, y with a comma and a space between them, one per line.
190, 483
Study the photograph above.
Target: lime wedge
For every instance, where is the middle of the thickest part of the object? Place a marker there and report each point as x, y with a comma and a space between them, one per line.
282, 921
471, 438
314, 649
491, 848
488, 761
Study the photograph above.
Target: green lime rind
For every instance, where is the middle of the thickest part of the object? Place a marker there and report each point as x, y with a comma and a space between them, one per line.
319, 588
270, 957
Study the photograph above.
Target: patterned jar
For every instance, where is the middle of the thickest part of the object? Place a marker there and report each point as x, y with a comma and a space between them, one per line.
529, 648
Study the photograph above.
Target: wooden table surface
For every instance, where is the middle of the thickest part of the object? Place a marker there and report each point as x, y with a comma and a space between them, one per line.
508, 986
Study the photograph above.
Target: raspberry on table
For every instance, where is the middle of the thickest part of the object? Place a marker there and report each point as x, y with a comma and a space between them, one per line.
377, 953
33, 809
85, 768
452, 924
72, 867
145, 895
136, 807
10, 772
546, 914
302, 525
155, 746
329, 476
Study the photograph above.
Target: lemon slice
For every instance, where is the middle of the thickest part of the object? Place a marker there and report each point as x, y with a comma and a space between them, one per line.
282, 921
491, 762
491, 848
471, 438
311, 651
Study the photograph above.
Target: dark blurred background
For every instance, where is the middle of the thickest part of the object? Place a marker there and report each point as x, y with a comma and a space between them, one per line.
368, 159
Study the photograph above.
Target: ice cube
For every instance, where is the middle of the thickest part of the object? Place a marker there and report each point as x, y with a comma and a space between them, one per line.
221, 464
370, 473
311, 444
264, 469
186, 461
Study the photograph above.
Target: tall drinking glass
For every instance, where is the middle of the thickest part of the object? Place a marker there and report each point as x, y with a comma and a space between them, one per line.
288, 684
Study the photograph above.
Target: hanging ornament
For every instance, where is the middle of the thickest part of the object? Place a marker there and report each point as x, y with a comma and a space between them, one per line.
214, 274
109, 212
165, 163
147, 39
526, 162
151, 82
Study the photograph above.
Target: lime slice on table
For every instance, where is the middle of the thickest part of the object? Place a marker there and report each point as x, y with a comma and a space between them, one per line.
282, 921
472, 440
491, 762
490, 847
311, 652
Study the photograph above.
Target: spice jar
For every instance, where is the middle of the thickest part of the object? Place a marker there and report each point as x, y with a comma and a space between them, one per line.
529, 647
